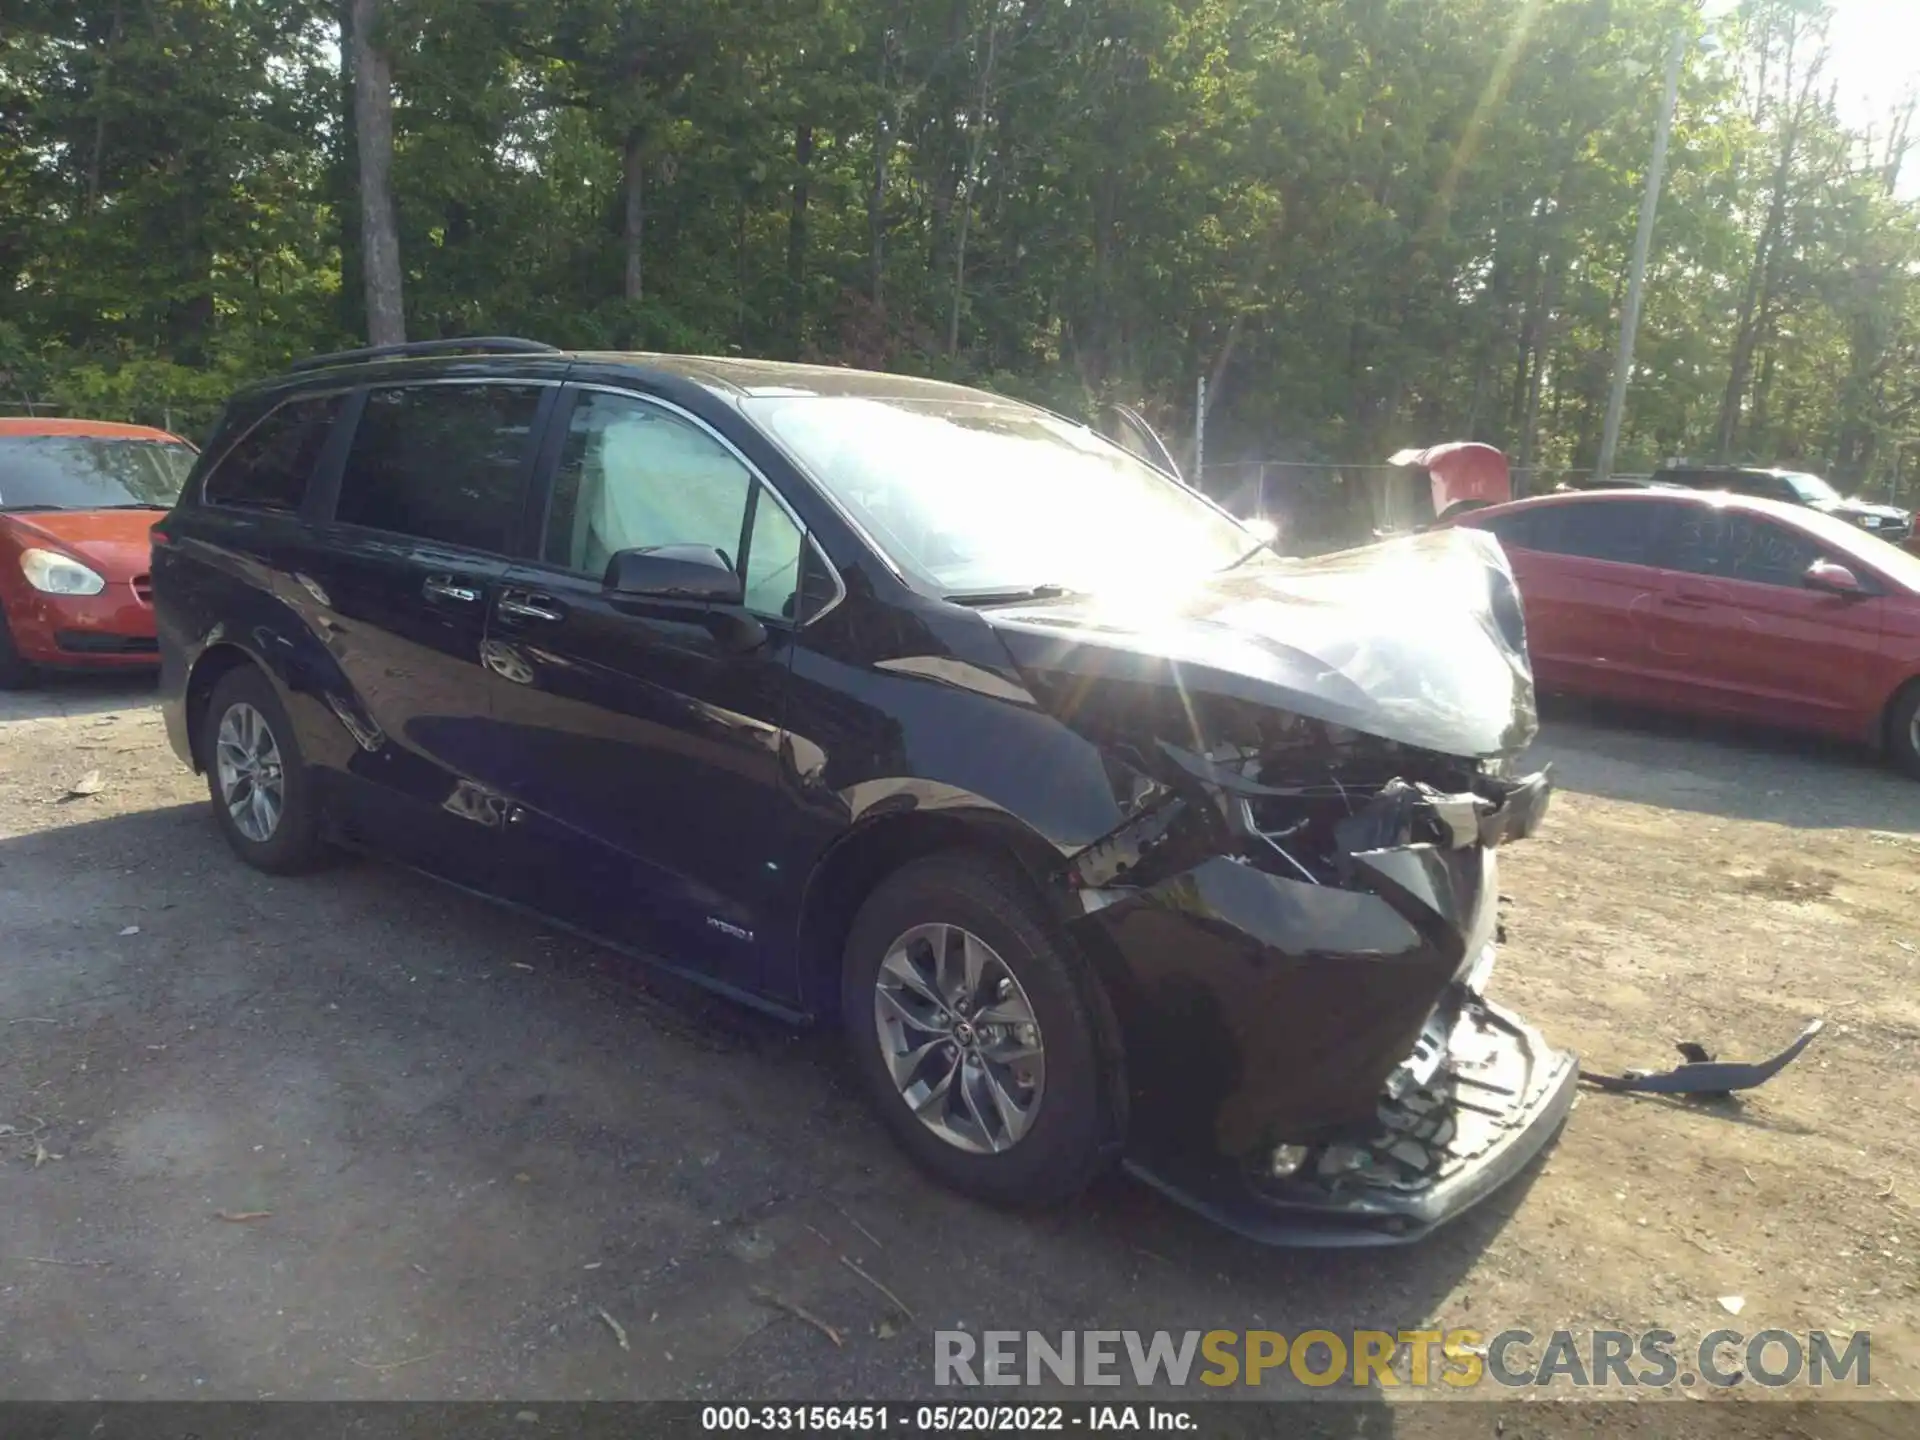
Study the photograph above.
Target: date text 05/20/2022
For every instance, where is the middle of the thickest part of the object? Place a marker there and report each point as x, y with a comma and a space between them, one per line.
942, 1419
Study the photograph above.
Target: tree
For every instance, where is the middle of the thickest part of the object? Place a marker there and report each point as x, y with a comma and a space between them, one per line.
364, 42
1368, 223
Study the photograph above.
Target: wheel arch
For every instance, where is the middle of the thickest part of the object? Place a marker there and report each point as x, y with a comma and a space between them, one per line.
865, 856
210, 667
1890, 742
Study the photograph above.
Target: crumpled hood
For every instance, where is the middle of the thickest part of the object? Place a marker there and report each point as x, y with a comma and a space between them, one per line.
1417, 640
116, 543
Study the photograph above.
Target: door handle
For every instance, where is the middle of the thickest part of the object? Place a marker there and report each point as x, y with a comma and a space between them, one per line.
520, 606
445, 587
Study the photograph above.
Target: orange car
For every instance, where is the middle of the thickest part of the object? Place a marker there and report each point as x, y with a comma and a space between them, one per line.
77, 498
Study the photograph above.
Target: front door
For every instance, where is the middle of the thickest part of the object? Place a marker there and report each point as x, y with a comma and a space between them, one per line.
402, 579
645, 785
1758, 643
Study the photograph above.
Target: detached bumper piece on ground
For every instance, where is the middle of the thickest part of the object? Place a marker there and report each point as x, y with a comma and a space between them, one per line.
1703, 1075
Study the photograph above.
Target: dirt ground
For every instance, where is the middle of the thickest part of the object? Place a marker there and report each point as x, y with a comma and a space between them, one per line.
357, 1135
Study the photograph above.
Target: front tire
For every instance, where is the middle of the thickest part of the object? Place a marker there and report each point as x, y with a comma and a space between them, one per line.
256, 778
971, 1028
1903, 729
15, 672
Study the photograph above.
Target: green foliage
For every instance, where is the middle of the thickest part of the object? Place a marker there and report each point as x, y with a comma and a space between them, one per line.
1368, 222
146, 392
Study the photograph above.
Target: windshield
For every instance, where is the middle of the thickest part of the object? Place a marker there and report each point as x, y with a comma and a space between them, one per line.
987, 497
1810, 488
90, 472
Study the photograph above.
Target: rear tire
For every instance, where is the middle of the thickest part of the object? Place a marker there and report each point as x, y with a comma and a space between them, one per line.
1022, 1117
15, 672
1903, 729
256, 777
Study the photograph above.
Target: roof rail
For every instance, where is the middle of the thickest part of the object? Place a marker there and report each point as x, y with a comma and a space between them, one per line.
479, 344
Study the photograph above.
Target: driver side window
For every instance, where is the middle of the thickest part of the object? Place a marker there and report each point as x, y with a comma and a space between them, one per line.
635, 476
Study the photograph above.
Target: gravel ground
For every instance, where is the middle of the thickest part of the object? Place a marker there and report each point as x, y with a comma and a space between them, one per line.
360, 1136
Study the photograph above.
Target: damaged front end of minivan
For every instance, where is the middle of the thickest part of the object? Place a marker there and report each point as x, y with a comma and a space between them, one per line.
1296, 919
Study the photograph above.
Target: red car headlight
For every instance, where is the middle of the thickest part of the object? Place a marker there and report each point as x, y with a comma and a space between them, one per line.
52, 573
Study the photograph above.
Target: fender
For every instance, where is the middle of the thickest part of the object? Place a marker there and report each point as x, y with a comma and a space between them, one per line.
279, 631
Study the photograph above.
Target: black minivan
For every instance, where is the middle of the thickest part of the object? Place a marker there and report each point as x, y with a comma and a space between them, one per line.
1107, 833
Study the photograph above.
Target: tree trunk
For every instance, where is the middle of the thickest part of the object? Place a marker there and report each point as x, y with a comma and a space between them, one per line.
96, 157
974, 143
883, 121
633, 217
797, 237
373, 133
350, 304
1757, 297
1541, 347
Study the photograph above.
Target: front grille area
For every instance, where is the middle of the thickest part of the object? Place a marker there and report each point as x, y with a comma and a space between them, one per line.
143, 589
92, 642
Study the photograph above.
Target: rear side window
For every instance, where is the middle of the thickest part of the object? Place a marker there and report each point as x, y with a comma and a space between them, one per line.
269, 467
441, 462
1517, 531
1626, 532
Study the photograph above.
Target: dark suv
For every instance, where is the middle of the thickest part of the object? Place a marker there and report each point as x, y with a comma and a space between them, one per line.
1793, 487
1104, 830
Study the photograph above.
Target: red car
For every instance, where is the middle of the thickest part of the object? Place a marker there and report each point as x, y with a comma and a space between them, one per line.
1720, 604
77, 498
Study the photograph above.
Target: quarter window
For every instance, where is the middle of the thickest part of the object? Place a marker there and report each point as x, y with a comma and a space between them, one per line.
269, 467
441, 462
633, 476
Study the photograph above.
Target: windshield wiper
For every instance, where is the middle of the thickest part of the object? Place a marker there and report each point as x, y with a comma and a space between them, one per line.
135, 505
1264, 545
1009, 596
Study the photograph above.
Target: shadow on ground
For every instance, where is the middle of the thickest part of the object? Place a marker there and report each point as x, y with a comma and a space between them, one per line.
358, 1135
1716, 768
361, 1135
57, 695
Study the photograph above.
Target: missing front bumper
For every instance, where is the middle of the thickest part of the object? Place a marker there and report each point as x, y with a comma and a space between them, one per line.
1503, 1094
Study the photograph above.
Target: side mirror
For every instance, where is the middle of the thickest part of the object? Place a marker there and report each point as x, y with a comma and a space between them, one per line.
1833, 578
697, 573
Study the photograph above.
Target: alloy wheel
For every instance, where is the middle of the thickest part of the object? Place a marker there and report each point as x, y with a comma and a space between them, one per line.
959, 1038
252, 780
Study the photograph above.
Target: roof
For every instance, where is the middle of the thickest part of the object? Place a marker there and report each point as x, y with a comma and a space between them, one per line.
1835, 532
94, 429
1674, 494
1688, 468
746, 378
730, 377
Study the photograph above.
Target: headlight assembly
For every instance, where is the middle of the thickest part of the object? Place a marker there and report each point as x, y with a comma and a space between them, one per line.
52, 573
